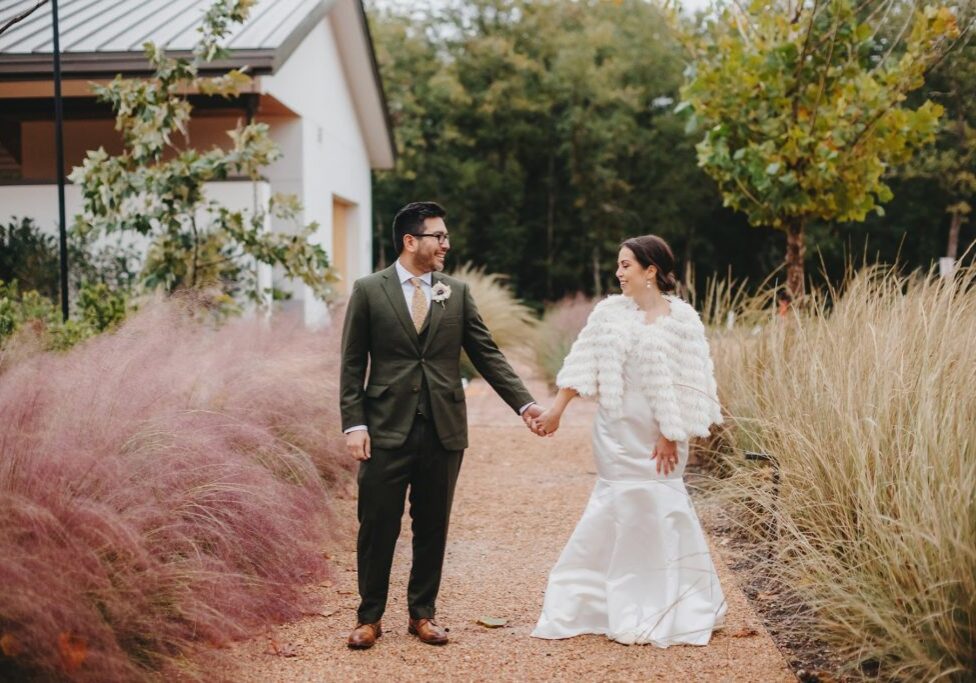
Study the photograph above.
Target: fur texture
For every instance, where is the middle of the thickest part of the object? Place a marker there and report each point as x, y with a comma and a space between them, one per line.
673, 364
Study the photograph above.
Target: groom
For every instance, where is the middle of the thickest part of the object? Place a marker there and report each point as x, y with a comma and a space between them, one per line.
407, 325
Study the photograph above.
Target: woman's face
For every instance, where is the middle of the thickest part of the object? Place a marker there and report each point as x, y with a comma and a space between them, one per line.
630, 273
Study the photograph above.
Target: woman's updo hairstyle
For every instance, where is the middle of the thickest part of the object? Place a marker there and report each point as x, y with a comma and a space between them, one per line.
651, 250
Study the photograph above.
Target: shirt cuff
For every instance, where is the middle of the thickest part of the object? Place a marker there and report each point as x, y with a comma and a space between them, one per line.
357, 428
526, 407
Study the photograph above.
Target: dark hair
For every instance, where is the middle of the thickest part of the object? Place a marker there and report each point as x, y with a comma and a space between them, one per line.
651, 250
411, 219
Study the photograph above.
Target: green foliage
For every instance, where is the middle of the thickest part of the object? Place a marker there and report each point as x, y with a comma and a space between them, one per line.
156, 189
29, 256
546, 130
98, 309
803, 107
951, 162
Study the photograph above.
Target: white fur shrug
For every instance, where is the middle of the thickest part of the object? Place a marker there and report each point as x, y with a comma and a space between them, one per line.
668, 358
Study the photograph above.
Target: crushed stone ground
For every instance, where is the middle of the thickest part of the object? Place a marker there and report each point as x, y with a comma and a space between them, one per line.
518, 498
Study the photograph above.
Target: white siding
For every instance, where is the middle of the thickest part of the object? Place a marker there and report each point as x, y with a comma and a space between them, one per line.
328, 147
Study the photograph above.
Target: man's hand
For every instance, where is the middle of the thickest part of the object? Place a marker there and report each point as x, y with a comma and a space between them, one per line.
529, 416
666, 454
357, 444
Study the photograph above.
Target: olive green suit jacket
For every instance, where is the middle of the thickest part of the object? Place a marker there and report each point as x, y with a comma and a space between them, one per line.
379, 338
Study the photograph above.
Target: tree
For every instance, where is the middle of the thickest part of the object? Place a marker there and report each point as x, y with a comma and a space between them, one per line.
804, 106
546, 128
156, 189
951, 163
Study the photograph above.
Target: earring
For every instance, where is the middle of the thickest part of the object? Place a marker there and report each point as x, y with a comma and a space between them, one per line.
647, 284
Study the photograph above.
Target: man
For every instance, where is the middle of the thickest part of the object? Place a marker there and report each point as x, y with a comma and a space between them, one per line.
408, 426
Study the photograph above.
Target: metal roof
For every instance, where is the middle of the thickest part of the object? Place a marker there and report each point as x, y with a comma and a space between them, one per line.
106, 36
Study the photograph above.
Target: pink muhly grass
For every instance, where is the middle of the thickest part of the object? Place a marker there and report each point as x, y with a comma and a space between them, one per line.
161, 486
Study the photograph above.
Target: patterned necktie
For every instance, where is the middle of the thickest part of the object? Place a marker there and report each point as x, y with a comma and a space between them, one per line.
418, 307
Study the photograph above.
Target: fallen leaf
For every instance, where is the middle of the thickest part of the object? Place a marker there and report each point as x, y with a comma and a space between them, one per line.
282, 649
73, 650
745, 632
492, 622
9, 645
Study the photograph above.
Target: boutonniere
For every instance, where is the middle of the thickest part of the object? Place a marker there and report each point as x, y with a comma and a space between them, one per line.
440, 293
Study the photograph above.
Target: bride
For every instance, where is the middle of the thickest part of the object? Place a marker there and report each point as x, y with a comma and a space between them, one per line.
637, 567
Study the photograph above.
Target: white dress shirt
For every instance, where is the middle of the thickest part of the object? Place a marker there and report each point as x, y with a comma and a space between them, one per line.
408, 287
406, 276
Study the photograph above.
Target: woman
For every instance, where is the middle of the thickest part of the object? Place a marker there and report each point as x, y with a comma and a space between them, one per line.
637, 567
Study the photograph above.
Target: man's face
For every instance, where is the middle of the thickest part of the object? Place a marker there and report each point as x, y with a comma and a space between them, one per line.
431, 252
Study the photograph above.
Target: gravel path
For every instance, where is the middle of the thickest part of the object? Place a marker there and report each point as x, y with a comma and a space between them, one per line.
517, 501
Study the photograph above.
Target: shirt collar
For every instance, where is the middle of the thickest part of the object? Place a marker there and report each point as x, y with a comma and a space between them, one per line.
405, 275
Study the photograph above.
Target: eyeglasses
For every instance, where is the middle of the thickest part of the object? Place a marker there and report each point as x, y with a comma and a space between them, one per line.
441, 236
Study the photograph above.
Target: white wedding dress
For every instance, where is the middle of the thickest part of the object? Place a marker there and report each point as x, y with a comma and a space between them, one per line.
637, 567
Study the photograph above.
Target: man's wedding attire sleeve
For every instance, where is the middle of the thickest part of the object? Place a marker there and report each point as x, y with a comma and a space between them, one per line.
489, 360
355, 357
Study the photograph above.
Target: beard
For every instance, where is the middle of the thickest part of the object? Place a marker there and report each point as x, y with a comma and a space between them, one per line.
434, 262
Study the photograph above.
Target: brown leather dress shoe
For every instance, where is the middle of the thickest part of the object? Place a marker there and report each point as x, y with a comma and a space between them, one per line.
364, 636
428, 631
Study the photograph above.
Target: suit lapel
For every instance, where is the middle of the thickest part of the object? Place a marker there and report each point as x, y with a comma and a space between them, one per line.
394, 292
436, 313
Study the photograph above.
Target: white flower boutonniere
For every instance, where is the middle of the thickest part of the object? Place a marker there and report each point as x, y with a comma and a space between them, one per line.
440, 293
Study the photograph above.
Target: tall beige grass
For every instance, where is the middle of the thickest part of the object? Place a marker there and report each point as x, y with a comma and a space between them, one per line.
512, 324
560, 325
869, 410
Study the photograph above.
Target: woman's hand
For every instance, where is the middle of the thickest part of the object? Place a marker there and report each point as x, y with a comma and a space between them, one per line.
548, 422
666, 454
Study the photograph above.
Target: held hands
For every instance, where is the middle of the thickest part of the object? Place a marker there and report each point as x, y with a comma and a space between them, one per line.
666, 454
548, 422
530, 416
357, 444
542, 422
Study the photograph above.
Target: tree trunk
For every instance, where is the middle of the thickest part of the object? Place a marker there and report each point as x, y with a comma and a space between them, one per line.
795, 251
550, 223
952, 249
597, 276
381, 252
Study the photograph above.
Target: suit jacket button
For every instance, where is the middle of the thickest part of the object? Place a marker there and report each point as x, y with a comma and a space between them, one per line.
423, 360
415, 389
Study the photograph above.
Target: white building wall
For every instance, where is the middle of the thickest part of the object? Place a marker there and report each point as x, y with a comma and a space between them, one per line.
334, 161
40, 201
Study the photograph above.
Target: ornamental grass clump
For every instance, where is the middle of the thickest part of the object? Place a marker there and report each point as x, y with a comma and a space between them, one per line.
162, 487
511, 322
560, 325
868, 411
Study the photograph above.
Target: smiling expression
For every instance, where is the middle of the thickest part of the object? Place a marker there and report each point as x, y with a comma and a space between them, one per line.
428, 253
630, 273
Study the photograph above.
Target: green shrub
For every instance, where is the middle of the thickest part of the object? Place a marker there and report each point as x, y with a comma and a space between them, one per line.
98, 309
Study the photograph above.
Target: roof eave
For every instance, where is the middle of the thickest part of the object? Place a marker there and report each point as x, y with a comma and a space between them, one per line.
108, 64
379, 81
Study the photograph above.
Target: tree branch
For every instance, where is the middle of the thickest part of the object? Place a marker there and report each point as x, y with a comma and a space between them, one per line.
797, 89
20, 17
894, 43
823, 78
